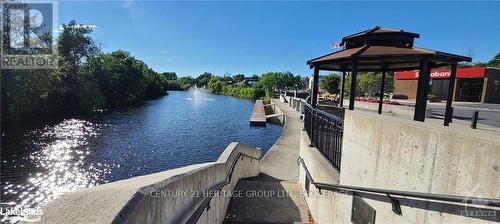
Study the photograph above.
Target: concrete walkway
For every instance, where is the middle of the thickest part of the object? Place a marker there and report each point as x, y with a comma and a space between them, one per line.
280, 161
274, 196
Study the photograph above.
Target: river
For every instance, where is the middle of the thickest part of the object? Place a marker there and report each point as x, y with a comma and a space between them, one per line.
40, 162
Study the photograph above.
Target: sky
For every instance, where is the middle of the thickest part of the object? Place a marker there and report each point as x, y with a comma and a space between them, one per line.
233, 37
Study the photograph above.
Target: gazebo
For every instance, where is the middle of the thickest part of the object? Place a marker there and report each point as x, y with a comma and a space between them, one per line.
383, 50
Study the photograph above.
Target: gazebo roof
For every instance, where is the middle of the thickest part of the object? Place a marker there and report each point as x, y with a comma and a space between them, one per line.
382, 47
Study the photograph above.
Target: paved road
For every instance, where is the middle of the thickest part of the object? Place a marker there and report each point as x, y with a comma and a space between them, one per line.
487, 116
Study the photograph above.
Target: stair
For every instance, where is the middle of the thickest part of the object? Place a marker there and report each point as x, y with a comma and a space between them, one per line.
264, 199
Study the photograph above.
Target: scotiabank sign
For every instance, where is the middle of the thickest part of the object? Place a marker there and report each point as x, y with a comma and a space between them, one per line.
473, 72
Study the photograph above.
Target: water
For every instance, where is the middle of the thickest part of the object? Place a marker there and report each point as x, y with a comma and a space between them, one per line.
40, 162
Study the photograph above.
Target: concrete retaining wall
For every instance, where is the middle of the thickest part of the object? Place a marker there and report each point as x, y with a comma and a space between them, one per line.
320, 205
167, 197
394, 153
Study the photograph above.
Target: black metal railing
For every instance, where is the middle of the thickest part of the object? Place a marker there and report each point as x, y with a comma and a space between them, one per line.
325, 131
495, 202
335, 110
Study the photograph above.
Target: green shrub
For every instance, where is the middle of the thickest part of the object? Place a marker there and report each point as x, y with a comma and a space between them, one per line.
433, 98
399, 96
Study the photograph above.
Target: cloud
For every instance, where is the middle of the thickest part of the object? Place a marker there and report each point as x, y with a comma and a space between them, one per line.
87, 26
166, 52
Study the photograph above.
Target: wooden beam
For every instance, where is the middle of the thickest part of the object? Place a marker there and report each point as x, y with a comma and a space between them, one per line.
382, 87
451, 84
422, 91
352, 93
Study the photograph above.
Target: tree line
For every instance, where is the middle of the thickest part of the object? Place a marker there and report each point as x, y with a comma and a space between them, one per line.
85, 80
89, 80
267, 83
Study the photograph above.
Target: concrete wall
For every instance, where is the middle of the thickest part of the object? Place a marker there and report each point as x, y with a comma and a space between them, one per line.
167, 197
400, 154
320, 205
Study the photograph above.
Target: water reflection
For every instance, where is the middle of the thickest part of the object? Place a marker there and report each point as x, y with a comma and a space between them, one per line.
60, 165
41, 162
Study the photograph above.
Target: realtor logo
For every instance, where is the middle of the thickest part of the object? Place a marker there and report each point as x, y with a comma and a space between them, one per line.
27, 40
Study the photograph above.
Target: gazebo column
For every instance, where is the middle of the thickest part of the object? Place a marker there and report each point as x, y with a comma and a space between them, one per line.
422, 91
342, 88
352, 93
315, 89
451, 84
382, 87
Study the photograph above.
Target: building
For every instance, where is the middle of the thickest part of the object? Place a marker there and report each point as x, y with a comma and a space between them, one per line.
474, 84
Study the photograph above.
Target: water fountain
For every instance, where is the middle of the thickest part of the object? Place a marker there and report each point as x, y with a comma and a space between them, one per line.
196, 94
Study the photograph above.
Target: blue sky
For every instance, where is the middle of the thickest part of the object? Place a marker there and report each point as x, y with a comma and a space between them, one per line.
255, 37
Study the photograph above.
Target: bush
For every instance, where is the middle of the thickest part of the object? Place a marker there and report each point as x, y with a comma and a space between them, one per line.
433, 98
400, 96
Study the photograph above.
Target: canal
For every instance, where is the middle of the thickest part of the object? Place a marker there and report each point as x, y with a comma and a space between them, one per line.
43, 161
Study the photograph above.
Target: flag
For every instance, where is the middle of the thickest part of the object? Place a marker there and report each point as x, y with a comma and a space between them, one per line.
336, 45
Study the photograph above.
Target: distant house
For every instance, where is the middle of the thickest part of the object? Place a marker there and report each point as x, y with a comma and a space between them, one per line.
247, 82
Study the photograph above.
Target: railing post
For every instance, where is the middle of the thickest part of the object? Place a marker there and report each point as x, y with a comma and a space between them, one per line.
475, 117
311, 122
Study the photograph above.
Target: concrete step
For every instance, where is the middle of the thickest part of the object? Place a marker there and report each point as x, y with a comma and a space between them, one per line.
264, 199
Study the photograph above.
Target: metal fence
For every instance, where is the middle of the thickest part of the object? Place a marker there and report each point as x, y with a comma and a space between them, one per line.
325, 131
297, 104
335, 110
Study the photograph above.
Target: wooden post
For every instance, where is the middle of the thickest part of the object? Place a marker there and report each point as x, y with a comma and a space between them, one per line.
449, 112
382, 87
314, 99
342, 87
352, 93
422, 91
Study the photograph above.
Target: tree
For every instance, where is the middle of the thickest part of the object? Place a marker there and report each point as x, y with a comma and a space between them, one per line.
368, 84
202, 80
330, 83
169, 75
186, 81
495, 61
216, 84
75, 46
269, 81
239, 77
255, 77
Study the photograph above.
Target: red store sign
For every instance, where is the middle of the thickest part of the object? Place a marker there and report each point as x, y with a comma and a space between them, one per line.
472, 72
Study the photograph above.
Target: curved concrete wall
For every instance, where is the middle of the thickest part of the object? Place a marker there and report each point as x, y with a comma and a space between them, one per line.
167, 197
394, 153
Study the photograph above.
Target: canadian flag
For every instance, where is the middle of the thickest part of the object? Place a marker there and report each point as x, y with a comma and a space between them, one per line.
336, 45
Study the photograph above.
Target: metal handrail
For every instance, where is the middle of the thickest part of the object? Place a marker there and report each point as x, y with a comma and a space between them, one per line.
439, 197
323, 113
205, 204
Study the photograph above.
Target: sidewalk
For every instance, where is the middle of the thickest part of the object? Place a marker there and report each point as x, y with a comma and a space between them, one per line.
457, 104
282, 200
280, 161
